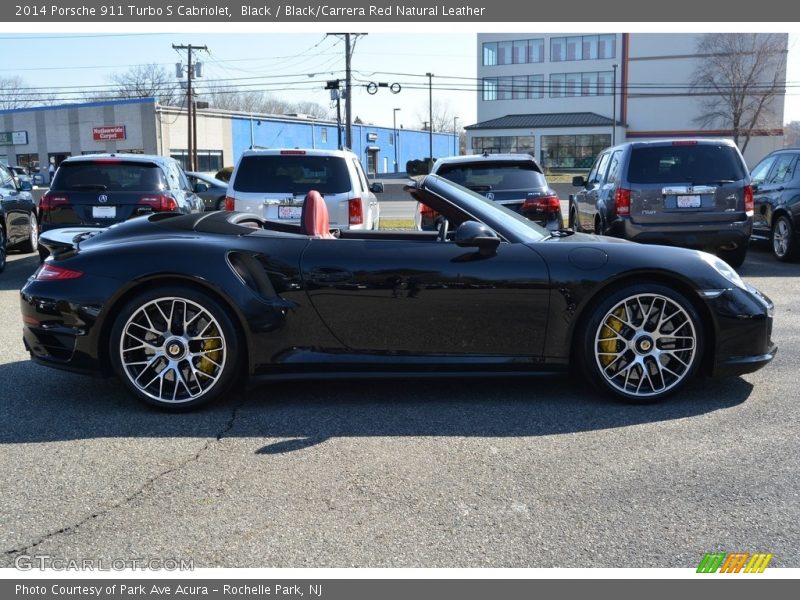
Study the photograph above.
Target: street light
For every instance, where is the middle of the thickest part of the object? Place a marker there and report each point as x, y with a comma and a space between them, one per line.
396, 140
614, 107
455, 137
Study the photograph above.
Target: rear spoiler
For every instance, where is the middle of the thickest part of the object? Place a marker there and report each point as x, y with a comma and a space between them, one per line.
65, 242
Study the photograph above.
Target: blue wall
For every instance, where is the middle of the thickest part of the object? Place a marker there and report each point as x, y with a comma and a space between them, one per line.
275, 133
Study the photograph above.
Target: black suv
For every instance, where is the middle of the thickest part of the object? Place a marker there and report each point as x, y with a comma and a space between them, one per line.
102, 189
694, 193
776, 188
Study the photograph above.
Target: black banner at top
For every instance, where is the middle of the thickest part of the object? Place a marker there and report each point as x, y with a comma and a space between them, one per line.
414, 11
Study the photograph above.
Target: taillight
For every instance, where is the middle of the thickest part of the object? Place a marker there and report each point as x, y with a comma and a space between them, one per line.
622, 202
427, 212
51, 272
546, 204
160, 202
230, 203
355, 212
50, 201
749, 204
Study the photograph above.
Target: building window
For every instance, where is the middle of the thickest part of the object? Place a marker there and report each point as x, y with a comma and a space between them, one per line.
504, 144
580, 84
29, 161
586, 47
535, 86
324, 135
513, 52
519, 88
207, 160
504, 85
572, 151
490, 89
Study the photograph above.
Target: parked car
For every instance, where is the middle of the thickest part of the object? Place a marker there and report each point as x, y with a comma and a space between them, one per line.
683, 192
21, 173
514, 180
210, 189
183, 306
18, 225
272, 184
101, 189
776, 193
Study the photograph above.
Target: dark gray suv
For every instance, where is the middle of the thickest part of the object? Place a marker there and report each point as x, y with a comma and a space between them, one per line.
692, 193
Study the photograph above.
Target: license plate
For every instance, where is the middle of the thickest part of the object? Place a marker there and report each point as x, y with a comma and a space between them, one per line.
289, 212
104, 212
689, 201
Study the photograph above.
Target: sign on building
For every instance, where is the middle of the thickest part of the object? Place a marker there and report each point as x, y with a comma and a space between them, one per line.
13, 138
108, 132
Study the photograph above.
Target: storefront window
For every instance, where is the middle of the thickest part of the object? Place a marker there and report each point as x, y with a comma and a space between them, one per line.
572, 151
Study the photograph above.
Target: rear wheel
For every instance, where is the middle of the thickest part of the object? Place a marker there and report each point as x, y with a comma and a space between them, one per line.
784, 246
32, 243
642, 342
174, 348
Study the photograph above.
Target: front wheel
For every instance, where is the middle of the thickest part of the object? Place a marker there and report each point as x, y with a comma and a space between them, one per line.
32, 243
784, 246
642, 342
174, 348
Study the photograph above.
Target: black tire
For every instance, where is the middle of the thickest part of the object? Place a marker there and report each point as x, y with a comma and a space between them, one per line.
221, 203
168, 364
3, 249
784, 245
635, 358
573, 218
32, 243
734, 256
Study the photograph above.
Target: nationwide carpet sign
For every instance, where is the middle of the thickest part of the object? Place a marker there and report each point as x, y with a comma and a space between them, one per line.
108, 132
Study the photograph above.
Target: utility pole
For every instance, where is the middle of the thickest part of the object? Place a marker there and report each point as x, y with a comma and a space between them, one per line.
191, 124
333, 85
348, 95
430, 123
614, 107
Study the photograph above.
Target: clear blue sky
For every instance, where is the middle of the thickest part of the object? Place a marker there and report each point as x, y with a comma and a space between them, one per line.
294, 66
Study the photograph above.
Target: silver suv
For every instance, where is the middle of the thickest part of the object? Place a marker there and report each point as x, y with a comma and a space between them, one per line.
693, 193
273, 183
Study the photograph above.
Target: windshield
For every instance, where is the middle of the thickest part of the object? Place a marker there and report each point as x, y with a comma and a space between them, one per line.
495, 176
691, 163
296, 174
109, 175
508, 223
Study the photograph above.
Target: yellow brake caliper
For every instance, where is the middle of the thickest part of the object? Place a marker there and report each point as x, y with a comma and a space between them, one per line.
204, 364
609, 339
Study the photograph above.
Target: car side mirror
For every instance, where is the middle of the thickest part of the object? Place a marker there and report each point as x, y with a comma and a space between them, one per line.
25, 186
578, 181
376, 188
200, 188
472, 234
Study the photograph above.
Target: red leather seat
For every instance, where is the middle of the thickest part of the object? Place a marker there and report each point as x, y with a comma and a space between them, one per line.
314, 219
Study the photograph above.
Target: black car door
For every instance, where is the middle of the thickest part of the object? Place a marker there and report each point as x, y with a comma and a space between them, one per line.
427, 297
13, 209
588, 197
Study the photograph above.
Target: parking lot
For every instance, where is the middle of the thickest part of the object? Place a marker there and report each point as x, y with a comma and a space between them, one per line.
528, 472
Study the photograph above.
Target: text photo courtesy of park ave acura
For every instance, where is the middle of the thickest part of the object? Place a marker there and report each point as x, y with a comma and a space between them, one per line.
497, 300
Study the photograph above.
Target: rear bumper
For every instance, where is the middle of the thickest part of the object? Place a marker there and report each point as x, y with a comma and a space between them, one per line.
689, 235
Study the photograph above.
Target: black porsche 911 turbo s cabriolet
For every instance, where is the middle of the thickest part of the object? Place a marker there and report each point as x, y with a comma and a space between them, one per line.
180, 308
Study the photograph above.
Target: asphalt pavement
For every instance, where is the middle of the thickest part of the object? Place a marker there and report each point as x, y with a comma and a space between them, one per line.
533, 472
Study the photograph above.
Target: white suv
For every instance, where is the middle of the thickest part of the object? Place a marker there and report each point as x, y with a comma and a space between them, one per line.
273, 183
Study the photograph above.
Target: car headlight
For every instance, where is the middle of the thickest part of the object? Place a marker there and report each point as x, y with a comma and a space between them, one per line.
724, 269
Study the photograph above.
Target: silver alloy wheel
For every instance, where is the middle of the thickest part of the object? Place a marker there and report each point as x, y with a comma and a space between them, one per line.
34, 237
645, 345
781, 237
173, 350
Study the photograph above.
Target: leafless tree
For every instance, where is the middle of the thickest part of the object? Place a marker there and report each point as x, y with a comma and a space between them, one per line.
16, 93
443, 116
742, 76
146, 81
256, 101
791, 134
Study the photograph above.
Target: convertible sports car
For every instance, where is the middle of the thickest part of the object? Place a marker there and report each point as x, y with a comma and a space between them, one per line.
180, 308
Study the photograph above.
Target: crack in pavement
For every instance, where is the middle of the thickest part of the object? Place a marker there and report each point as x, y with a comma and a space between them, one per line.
148, 484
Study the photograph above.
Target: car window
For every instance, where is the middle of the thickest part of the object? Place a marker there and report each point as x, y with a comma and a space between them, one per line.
296, 174
183, 179
761, 170
685, 162
495, 176
600, 173
362, 181
592, 176
613, 167
6, 180
783, 169
109, 175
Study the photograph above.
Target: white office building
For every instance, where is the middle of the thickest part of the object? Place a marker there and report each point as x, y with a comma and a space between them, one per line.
564, 97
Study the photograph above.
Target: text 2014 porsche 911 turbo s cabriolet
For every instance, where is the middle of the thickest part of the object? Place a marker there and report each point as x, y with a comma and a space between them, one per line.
182, 307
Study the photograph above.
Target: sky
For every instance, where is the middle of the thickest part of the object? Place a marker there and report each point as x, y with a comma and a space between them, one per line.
293, 66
